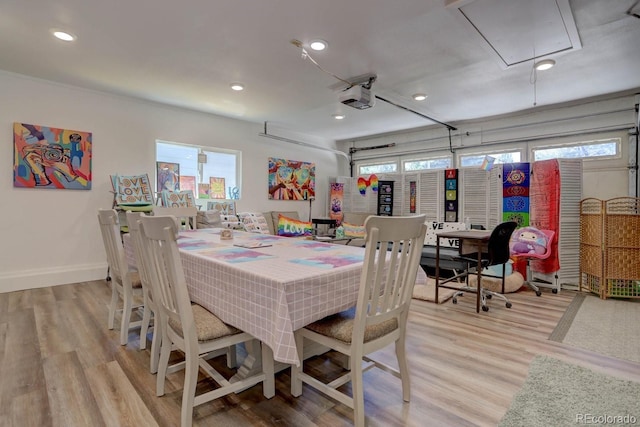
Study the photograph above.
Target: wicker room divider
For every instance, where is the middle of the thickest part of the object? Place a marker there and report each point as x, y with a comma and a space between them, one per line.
610, 247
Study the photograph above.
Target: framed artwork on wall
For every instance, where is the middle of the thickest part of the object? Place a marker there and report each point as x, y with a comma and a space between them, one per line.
188, 183
168, 176
47, 157
291, 179
217, 188
204, 191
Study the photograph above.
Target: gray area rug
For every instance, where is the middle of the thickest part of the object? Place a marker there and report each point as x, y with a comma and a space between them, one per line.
609, 327
557, 393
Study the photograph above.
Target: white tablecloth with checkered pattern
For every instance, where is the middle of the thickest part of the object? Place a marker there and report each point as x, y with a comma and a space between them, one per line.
269, 291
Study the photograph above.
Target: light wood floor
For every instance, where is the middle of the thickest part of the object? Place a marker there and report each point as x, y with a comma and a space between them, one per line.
61, 366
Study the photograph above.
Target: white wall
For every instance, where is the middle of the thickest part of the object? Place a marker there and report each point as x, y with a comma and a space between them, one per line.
51, 237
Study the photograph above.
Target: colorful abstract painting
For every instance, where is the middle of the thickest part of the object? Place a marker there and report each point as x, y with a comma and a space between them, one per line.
188, 182
451, 195
412, 196
217, 188
46, 157
515, 193
168, 176
203, 191
337, 199
291, 179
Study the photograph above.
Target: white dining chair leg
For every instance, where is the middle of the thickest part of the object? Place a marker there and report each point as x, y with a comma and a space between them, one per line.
232, 360
163, 363
188, 394
403, 367
113, 305
144, 327
126, 318
156, 344
357, 388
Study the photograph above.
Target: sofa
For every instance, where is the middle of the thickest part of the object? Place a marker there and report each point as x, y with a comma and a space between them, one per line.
267, 222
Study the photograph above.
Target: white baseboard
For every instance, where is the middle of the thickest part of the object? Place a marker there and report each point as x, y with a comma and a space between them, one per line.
40, 278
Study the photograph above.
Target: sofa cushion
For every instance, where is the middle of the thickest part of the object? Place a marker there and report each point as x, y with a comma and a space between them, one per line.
272, 219
254, 222
290, 227
208, 219
354, 231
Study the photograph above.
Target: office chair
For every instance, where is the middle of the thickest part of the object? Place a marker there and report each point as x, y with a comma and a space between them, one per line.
498, 252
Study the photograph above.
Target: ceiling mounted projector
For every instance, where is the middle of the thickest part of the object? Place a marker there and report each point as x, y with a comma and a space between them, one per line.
357, 97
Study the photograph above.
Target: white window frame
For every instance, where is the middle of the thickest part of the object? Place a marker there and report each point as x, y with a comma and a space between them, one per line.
426, 159
361, 165
201, 174
491, 154
616, 140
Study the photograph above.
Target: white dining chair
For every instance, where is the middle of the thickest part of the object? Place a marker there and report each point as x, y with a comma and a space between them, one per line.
150, 309
187, 216
125, 282
391, 262
189, 327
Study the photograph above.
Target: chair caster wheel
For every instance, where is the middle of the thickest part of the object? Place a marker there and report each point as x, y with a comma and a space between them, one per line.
538, 293
455, 300
555, 291
485, 308
508, 305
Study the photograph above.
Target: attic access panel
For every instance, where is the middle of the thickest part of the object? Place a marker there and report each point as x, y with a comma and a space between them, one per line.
517, 31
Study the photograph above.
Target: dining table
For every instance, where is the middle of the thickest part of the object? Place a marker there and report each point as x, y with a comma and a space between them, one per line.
268, 285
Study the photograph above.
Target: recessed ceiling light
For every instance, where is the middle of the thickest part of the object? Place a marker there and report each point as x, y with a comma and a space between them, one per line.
318, 44
338, 116
63, 35
545, 64
419, 96
237, 86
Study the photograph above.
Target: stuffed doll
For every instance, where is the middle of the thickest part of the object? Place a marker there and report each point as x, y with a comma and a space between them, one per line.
528, 240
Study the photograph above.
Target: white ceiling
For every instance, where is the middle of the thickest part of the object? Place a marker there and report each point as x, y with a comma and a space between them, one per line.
187, 53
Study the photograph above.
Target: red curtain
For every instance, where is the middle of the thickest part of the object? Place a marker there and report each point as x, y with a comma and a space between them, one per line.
545, 208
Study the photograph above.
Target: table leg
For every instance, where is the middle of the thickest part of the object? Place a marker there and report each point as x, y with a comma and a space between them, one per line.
257, 356
268, 367
437, 268
478, 284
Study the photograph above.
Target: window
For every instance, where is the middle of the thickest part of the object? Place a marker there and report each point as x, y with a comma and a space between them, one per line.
475, 160
379, 168
217, 168
434, 163
603, 148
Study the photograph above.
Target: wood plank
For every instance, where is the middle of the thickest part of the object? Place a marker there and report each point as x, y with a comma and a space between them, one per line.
466, 367
70, 397
117, 399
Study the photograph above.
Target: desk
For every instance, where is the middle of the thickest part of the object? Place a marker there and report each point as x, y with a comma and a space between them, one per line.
269, 291
470, 241
329, 222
